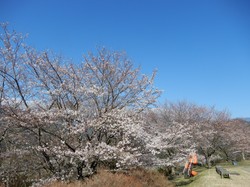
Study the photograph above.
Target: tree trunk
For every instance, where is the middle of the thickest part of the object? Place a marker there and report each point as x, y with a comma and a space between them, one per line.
79, 170
243, 155
208, 162
173, 171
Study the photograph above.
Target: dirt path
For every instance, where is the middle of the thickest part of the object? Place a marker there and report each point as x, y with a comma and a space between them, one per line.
210, 178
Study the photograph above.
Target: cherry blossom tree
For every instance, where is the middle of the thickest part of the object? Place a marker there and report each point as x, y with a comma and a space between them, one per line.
171, 138
200, 127
207, 131
72, 117
235, 139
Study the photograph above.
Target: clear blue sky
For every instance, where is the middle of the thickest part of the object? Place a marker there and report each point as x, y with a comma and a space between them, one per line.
201, 48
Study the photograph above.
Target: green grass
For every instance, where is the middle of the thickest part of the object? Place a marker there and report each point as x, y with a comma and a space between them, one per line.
209, 177
181, 181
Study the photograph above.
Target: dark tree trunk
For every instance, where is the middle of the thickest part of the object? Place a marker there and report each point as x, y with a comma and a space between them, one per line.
79, 170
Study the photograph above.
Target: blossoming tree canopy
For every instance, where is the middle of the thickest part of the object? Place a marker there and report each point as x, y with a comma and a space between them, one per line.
72, 117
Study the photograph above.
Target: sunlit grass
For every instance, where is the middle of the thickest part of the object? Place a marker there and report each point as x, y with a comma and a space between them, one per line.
209, 177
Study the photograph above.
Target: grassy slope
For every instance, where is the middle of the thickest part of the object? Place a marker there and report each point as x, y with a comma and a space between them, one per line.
209, 178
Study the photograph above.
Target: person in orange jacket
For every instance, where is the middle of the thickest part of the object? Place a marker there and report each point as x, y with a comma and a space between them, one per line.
192, 160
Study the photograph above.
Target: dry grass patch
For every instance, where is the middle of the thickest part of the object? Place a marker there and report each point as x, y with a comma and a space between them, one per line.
134, 178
